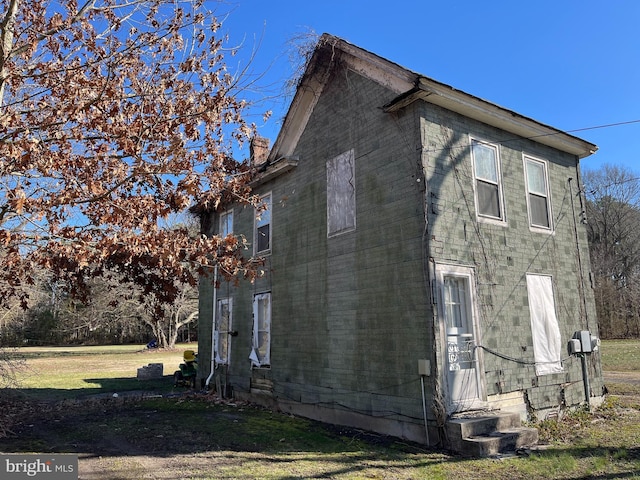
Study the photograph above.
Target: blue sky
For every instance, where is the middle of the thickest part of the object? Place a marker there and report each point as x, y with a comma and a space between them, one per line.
570, 64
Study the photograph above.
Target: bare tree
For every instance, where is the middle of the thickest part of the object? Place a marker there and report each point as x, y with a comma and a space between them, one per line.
113, 115
166, 320
613, 227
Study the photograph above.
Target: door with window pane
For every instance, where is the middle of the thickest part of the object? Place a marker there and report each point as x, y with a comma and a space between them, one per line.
461, 357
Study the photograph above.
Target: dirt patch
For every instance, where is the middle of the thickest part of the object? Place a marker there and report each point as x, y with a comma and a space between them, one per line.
180, 437
128, 433
632, 378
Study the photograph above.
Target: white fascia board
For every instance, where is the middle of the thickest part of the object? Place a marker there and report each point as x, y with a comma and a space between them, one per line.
296, 119
499, 117
401, 80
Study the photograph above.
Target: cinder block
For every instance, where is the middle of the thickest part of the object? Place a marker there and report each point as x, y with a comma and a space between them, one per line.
151, 371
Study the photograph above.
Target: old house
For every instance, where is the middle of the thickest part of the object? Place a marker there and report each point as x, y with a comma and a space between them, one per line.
425, 257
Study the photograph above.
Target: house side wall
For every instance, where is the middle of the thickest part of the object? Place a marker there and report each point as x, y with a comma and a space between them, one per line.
350, 313
502, 255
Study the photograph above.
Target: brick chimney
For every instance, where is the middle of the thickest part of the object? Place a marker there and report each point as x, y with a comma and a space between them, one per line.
258, 150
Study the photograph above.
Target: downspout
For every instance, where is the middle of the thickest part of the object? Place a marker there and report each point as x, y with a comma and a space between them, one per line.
213, 326
426, 272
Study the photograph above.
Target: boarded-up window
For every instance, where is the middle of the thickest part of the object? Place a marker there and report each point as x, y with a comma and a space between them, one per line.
547, 343
261, 340
341, 194
537, 193
488, 188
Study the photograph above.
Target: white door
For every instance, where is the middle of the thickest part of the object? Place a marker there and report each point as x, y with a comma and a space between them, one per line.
463, 375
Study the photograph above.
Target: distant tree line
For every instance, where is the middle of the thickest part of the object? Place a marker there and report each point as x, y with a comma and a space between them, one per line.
116, 313
613, 228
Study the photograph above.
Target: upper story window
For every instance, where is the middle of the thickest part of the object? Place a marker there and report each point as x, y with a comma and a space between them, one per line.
262, 228
226, 223
341, 194
538, 201
487, 181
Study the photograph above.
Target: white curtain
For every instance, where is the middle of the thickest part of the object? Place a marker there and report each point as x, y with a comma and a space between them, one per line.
547, 343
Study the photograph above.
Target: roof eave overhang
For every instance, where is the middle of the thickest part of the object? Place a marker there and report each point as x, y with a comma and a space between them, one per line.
410, 87
473, 107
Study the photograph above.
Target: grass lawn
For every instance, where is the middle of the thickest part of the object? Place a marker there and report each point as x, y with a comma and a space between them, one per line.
621, 355
201, 437
56, 373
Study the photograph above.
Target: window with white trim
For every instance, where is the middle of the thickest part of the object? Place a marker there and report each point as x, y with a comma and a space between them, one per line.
341, 194
261, 339
487, 181
538, 202
262, 227
221, 336
226, 223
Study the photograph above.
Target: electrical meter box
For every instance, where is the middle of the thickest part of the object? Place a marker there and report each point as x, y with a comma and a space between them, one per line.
584, 336
424, 368
574, 346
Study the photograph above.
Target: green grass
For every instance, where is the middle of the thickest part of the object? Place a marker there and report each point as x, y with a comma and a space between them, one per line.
621, 355
56, 373
199, 437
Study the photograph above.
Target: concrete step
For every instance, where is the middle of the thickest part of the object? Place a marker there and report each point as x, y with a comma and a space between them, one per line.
481, 423
498, 442
486, 434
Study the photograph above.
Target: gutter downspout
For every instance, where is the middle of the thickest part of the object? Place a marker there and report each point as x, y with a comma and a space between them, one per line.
213, 326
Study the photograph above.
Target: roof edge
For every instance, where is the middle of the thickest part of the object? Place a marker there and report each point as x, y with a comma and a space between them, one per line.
410, 87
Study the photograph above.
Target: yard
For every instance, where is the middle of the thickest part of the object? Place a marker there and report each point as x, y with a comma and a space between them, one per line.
68, 405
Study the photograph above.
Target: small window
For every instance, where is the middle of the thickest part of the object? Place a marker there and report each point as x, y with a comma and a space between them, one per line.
226, 223
547, 343
221, 336
455, 301
538, 202
261, 340
341, 194
487, 181
262, 232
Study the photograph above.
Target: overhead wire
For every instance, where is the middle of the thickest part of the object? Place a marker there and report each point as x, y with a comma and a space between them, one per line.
542, 135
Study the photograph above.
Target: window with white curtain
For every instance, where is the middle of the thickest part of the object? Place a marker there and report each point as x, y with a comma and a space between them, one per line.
222, 329
261, 340
547, 342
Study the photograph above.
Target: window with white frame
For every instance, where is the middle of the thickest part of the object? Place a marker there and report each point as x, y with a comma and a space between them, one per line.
547, 343
261, 340
262, 230
222, 329
538, 201
487, 180
341, 194
226, 223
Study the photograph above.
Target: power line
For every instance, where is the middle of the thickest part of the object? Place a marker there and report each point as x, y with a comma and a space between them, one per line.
630, 122
533, 137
